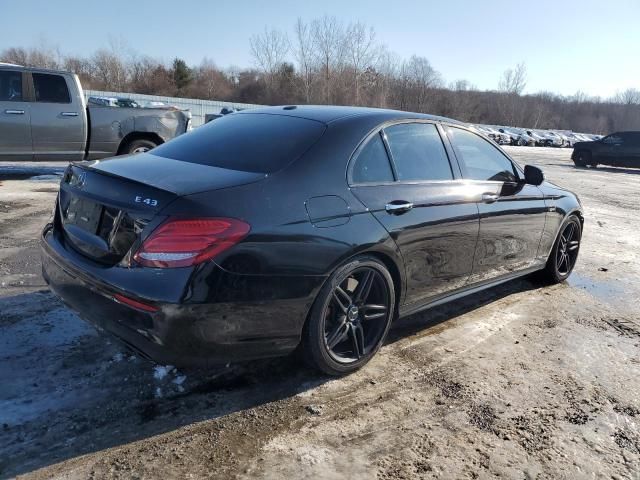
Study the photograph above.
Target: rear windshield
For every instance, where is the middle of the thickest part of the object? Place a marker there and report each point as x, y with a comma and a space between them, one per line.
260, 143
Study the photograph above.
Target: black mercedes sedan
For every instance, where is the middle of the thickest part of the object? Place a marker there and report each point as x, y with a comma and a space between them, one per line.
291, 226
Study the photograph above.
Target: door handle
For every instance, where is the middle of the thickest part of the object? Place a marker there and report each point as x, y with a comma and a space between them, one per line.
490, 197
14, 112
69, 114
398, 207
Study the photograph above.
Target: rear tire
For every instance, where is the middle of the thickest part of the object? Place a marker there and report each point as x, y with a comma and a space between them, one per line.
564, 253
139, 145
350, 317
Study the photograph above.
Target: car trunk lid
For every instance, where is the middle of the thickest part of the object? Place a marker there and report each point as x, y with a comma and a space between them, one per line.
176, 176
106, 206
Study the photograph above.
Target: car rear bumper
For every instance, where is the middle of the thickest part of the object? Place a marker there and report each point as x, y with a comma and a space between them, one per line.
237, 325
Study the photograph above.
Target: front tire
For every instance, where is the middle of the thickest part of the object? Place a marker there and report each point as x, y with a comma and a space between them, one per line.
565, 251
583, 158
350, 317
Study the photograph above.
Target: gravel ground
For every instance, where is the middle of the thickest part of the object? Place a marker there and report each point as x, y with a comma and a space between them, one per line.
520, 381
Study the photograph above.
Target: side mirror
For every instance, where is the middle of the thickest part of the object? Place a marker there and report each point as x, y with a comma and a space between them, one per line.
533, 175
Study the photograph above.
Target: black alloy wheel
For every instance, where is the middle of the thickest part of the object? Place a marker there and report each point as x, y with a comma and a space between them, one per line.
350, 317
565, 252
568, 247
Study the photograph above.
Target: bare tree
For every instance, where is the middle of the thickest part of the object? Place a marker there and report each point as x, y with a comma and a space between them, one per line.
304, 56
361, 53
419, 78
269, 50
328, 42
210, 82
514, 80
630, 96
109, 70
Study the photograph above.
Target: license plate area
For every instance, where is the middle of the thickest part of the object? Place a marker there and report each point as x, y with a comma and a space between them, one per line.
84, 214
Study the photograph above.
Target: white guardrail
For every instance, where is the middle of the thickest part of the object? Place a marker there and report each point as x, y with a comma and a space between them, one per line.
198, 108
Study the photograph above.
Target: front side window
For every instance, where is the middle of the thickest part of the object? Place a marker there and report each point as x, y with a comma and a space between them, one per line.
10, 86
418, 152
481, 160
372, 163
50, 88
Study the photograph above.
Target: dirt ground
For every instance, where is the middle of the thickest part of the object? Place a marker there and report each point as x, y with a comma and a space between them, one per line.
520, 381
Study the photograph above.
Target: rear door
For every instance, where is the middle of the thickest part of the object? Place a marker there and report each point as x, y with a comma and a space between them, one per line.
58, 118
512, 213
15, 126
405, 176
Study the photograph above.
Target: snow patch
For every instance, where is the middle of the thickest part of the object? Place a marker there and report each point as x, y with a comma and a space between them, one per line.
161, 371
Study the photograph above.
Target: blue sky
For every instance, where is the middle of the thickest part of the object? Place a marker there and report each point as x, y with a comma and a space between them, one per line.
591, 46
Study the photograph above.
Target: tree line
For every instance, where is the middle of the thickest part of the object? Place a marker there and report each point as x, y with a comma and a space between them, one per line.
325, 61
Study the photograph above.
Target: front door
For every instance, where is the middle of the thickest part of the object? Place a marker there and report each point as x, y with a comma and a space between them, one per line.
512, 213
612, 150
15, 124
404, 176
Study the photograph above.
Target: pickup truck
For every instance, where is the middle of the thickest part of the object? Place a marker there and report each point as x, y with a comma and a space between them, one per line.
44, 116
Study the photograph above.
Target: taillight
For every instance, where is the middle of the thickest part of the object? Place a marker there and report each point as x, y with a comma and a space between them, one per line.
184, 242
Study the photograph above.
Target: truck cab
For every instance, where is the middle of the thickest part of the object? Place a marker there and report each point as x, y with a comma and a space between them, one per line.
43, 115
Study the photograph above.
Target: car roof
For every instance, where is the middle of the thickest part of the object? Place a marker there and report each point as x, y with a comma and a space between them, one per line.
331, 113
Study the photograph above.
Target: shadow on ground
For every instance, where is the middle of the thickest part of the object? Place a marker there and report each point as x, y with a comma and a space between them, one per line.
600, 168
69, 391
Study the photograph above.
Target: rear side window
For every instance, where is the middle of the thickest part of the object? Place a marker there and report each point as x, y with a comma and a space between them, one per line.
481, 160
50, 88
10, 86
372, 164
418, 152
249, 142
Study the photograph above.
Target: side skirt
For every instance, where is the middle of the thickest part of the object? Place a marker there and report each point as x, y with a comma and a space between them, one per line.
407, 310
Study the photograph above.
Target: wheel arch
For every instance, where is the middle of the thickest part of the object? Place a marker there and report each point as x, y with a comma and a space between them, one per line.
132, 136
575, 212
395, 270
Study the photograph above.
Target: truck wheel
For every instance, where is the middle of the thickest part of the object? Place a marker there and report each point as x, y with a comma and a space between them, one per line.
139, 146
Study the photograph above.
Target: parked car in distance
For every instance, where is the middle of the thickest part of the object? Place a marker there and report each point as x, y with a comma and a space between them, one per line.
43, 115
539, 139
493, 134
244, 238
554, 139
517, 136
620, 149
566, 139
